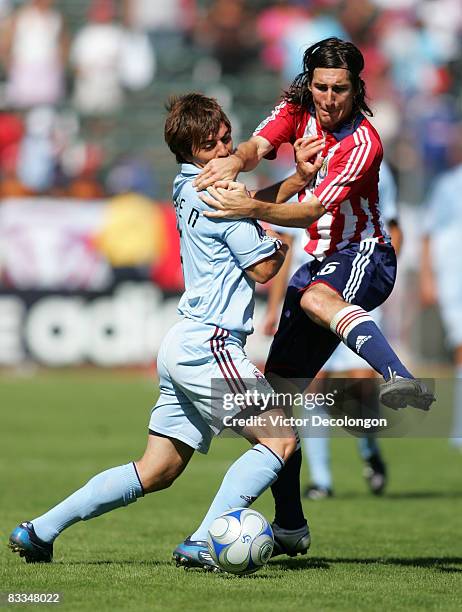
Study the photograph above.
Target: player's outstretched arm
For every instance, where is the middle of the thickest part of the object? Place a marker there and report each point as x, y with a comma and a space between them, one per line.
232, 200
263, 271
309, 160
246, 157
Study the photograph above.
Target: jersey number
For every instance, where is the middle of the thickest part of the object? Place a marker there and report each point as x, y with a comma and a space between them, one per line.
329, 268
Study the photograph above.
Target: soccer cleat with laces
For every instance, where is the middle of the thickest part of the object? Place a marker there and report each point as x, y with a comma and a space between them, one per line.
291, 542
401, 392
194, 553
24, 540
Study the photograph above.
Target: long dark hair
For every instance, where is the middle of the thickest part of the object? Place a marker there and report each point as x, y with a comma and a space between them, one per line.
330, 53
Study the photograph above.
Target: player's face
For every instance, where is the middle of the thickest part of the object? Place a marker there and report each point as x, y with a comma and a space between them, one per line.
332, 96
219, 145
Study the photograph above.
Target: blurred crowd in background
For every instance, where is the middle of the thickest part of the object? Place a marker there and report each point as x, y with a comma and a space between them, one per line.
83, 85
83, 82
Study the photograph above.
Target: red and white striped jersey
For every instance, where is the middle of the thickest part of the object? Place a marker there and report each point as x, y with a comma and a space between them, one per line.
346, 184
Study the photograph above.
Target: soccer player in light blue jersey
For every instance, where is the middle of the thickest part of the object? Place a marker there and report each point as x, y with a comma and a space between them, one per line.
221, 261
441, 272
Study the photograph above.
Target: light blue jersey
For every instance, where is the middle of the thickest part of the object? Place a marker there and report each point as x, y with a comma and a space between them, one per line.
214, 255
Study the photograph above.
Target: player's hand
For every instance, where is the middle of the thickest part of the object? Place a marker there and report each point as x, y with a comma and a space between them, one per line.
231, 200
308, 156
219, 169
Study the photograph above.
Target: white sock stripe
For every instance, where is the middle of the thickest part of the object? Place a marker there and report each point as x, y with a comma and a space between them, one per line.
340, 315
354, 323
347, 319
358, 269
345, 322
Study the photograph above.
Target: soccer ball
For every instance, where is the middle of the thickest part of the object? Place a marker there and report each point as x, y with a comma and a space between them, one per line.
240, 541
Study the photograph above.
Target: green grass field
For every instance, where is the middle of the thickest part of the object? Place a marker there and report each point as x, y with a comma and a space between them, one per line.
403, 551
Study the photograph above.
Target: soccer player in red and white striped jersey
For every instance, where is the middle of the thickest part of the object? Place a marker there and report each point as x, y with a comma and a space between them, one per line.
346, 184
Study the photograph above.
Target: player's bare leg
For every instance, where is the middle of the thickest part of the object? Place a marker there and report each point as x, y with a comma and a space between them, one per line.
163, 461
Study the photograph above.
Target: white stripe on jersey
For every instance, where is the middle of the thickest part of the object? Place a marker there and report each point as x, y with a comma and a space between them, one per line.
273, 115
353, 167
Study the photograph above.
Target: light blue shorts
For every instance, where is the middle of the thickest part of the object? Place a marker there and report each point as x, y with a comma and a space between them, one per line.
197, 363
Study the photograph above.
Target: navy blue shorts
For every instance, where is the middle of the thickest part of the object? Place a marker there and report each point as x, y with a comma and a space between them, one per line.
362, 274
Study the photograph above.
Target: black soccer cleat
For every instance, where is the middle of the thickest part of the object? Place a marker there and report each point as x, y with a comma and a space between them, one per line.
24, 540
375, 473
400, 392
291, 542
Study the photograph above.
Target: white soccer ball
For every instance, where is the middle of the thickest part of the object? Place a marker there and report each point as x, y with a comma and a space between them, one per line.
240, 541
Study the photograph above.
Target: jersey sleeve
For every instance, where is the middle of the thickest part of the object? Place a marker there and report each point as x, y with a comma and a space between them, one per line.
350, 169
248, 242
279, 127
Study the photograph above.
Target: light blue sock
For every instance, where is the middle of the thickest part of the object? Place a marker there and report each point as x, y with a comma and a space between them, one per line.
245, 480
116, 487
317, 450
318, 455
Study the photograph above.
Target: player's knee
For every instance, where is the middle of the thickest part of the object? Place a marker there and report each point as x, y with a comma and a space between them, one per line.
312, 304
156, 477
283, 447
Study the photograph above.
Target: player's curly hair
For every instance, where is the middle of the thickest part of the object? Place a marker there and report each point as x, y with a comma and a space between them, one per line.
191, 119
330, 53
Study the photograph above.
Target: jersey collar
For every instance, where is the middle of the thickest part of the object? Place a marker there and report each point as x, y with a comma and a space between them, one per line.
344, 129
190, 170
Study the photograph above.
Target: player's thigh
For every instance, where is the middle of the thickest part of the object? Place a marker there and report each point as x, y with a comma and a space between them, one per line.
362, 273
174, 415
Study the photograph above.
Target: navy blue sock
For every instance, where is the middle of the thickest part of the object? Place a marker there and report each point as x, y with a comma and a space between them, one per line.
355, 327
286, 492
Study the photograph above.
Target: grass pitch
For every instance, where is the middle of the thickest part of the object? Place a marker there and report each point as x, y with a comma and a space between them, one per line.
403, 551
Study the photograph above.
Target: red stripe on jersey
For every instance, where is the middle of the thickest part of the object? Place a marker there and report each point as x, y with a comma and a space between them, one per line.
219, 336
